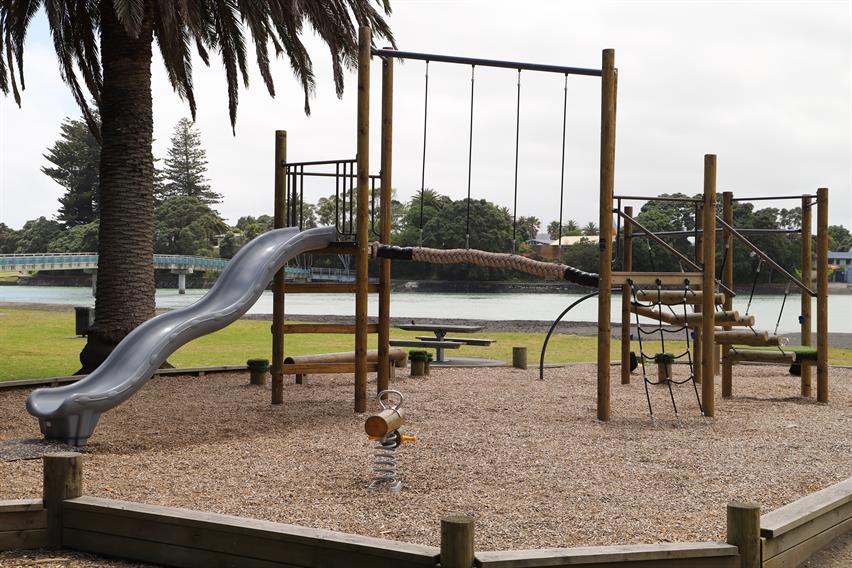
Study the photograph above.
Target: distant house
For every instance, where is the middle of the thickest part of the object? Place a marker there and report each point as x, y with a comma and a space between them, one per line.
549, 249
843, 262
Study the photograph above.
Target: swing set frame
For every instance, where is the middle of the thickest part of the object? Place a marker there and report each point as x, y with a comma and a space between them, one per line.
703, 275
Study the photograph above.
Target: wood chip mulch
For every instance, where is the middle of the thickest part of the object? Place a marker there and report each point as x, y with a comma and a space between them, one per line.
525, 457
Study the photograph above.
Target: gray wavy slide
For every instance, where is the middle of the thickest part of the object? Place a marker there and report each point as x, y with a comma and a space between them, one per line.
70, 413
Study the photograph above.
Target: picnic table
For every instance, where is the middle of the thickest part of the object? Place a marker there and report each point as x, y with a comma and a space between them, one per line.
440, 341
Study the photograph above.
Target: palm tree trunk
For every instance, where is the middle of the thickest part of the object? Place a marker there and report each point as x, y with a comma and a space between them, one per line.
125, 285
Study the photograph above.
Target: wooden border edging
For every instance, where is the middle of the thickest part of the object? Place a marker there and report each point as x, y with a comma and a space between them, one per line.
74, 378
796, 531
180, 537
688, 554
23, 524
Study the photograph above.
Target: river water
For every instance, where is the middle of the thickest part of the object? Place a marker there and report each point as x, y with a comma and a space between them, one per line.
433, 306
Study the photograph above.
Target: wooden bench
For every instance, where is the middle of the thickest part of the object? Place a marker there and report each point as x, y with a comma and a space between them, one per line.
479, 342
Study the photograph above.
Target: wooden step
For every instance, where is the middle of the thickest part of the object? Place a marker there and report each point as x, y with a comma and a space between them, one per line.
748, 337
672, 297
325, 368
762, 356
326, 328
651, 278
694, 319
326, 288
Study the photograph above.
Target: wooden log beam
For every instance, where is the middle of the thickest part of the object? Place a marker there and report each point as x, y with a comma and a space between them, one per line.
822, 294
325, 328
728, 280
607, 184
386, 221
651, 278
807, 261
280, 221
762, 356
626, 266
673, 297
362, 255
708, 285
760, 337
693, 320
398, 356
328, 288
325, 368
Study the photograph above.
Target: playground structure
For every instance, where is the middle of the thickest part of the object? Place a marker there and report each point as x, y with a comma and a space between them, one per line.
67, 518
70, 413
713, 319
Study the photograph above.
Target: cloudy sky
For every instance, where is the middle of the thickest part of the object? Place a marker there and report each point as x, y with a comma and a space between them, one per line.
765, 85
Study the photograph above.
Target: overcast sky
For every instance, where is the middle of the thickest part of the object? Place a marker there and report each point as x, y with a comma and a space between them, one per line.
765, 85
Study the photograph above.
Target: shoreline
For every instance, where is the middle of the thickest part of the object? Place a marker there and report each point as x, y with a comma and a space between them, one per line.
582, 328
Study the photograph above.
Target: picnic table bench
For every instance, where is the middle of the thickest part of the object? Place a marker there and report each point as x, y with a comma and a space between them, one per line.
440, 341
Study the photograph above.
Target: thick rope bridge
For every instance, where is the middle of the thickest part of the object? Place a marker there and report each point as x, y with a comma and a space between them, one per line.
550, 270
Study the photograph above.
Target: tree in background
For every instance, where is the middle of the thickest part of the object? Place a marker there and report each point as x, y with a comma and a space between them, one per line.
185, 172
110, 44
569, 229
590, 229
186, 225
76, 160
839, 238
79, 238
8, 239
36, 234
527, 228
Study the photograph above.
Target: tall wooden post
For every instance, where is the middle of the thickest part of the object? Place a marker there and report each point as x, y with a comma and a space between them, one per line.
697, 346
362, 256
63, 479
708, 288
626, 299
386, 208
607, 182
822, 294
280, 221
807, 278
744, 532
727, 280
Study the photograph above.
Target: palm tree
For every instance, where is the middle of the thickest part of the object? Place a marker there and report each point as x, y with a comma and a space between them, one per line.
115, 69
590, 230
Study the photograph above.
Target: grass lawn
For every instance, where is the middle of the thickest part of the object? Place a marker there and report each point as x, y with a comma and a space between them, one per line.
40, 343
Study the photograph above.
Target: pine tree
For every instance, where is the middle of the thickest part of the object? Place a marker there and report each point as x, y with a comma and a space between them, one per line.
186, 167
76, 160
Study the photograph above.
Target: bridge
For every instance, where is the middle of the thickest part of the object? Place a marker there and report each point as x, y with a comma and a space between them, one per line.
178, 264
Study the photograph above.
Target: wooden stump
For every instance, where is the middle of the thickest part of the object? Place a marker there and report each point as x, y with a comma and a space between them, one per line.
418, 367
457, 542
63, 479
258, 370
519, 357
664, 373
744, 532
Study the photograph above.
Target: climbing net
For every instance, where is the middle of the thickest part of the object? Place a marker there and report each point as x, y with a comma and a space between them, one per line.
668, 324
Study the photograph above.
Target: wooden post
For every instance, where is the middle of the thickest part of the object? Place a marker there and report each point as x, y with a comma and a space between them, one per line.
727, 280
280, 221
626, 298
457, 548
63, 479
386, 207
822, 294
697, 351
362, 255
708, 286
807, 278
519, 357
744, 532
607, 183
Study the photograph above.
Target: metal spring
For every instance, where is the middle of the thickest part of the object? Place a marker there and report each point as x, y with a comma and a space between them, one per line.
384, 464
